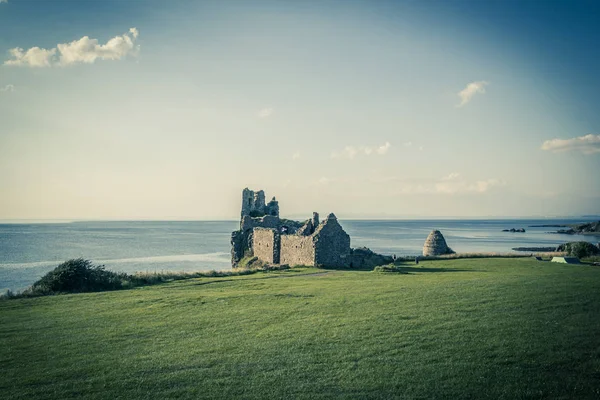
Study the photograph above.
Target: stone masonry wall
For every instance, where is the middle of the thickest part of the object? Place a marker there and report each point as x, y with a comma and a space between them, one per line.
297, 250
265, 243
332, 244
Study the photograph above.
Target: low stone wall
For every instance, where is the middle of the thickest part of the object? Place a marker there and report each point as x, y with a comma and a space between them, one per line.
265, 243
297, 250
363, 257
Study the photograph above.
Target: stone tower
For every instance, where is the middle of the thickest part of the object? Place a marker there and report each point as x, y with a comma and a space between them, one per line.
253, 204
247, 201
259, 202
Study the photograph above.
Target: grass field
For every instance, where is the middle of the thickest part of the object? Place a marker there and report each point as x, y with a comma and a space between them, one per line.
466, 328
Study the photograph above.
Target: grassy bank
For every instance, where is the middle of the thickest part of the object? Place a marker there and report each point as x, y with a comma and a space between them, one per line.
478, 328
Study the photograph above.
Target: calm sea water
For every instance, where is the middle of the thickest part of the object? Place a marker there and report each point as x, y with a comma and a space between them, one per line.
27, 251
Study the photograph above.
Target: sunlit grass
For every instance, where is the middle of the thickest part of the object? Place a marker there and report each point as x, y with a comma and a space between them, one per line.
465, 328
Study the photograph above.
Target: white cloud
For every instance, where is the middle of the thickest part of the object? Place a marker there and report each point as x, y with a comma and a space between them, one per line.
450, 185
265, 112
350, 152
34, 57
471, 90
8, 88
134, 32
588, 144
408, 144
420, 148
383, 149
84, 50
296, 156
3, 1
455, 186
324, 180
451, 176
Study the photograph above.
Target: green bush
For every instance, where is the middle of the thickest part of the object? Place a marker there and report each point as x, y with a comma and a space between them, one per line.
80, 275
76, 276
389, 268
579, 249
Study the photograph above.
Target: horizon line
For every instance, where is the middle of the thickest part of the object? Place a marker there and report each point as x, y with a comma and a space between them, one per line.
353, 218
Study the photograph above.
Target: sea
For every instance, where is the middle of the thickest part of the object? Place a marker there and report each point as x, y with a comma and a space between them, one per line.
29, 250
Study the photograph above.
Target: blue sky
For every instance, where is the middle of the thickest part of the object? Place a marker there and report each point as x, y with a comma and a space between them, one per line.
160, 110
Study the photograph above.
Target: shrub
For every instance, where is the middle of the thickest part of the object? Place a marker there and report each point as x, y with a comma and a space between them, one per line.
78, 275
389, 268
579, 249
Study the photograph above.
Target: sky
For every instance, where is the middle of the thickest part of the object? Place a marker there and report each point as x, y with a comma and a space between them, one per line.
368, 109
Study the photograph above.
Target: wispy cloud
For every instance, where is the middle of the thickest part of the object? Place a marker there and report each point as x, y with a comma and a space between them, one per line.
7, 88
323, 180
471, 90
296, 156
3, 1
82, 51
455, 186
451, 176
588, 144
383, 149
450, 184
350, 152
265, 112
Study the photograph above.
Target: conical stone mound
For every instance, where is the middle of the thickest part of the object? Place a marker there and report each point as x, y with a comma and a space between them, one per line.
435, 245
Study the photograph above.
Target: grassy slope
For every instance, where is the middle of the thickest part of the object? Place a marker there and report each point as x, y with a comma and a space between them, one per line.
496, 328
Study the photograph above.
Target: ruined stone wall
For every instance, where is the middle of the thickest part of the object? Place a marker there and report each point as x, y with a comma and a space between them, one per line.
332, 244
237, 247
243, 239
297, 250
259, 201
265, 244
253, 203
268, 221
365, 258
272, 207
247, 201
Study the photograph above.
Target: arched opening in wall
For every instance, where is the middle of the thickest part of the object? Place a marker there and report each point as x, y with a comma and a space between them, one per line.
249, 202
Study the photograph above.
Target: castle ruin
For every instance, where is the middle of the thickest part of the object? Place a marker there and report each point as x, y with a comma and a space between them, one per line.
263, 234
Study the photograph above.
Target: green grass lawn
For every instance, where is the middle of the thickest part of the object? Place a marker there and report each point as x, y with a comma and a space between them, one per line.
472, 328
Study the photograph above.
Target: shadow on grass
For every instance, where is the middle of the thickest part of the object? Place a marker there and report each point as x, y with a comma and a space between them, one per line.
400, 268
215, 281
408, 270
328, 268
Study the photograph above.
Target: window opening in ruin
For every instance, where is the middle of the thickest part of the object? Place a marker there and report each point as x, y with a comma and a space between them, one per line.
249, 202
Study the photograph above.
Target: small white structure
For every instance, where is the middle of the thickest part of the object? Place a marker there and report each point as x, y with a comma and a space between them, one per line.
566, 260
